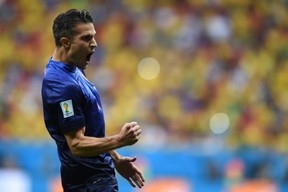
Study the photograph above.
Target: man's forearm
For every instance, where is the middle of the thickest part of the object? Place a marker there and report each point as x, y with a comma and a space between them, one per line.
86, 146
115, 156
91, 146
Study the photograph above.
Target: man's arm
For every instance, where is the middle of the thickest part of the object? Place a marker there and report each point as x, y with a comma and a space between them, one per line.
115, 156
85, 146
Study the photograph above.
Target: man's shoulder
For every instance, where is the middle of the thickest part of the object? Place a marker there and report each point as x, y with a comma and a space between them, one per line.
54, 73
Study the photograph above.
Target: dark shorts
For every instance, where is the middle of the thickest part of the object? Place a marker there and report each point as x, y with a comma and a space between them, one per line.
108, 184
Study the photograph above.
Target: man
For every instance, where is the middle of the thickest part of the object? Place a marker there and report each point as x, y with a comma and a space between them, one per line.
74, 117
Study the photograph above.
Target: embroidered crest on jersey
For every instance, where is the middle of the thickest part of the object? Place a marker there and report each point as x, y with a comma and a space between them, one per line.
67, 108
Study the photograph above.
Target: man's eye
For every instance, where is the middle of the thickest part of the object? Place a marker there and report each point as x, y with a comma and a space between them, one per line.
87, 38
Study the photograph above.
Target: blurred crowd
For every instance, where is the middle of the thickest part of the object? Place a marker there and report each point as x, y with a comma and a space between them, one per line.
215, 56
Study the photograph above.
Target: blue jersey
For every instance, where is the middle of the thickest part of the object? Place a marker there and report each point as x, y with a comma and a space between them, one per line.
71, 102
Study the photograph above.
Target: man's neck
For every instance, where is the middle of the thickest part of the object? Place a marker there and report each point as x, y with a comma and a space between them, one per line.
60, 55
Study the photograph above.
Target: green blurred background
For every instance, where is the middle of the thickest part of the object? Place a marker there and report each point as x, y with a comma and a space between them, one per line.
205, 79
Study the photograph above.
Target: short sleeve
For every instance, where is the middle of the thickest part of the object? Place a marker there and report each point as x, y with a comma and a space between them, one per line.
69, 109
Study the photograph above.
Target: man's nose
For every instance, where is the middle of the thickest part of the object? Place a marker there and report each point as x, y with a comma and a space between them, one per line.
93, 43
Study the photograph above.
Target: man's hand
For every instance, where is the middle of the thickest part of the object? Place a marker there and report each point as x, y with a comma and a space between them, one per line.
126, 168
130, 133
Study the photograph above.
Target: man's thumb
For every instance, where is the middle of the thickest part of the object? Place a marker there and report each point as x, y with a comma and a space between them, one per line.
131, 159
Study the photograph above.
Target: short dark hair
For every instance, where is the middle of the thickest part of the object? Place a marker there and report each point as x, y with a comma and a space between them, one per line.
64, 23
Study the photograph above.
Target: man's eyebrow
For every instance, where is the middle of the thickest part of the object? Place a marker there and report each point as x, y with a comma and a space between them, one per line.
88, 35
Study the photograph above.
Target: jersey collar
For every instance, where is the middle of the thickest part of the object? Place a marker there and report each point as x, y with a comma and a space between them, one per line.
63, 65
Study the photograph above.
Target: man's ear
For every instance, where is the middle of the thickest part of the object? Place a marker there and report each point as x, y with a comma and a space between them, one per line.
65, 42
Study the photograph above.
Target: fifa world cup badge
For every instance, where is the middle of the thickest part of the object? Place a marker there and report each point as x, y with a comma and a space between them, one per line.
67, 108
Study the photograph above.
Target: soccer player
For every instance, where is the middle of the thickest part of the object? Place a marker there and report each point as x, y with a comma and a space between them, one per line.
74, 117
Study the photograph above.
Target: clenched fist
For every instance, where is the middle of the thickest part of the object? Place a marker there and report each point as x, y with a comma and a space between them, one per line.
130, 133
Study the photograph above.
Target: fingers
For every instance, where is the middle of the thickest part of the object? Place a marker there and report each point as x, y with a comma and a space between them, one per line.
137, 180
133, 123
141, 175
131, 183
130, 133
135, 129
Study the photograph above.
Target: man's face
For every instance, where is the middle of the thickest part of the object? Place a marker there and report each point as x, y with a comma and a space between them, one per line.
82, 45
